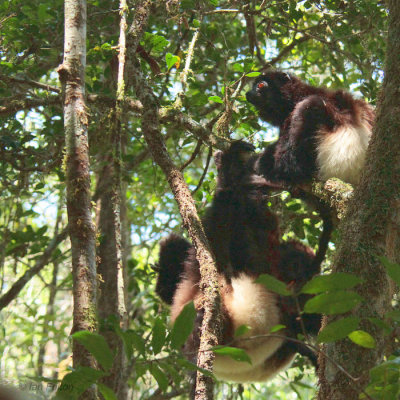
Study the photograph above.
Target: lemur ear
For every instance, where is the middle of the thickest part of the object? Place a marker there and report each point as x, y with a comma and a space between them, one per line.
282, 77
218, 159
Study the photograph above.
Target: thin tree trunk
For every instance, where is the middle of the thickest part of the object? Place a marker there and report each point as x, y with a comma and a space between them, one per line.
112, 300
371, 229
46, 323
52, 296
81, 228
112, 286
210, 329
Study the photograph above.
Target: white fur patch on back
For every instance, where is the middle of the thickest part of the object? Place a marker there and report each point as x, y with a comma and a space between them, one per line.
253, 305
341, 154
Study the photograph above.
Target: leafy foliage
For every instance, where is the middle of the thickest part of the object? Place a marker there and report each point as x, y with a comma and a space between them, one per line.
97, 346
332, 43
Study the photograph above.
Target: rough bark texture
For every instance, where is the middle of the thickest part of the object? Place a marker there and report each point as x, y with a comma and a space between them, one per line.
191, 221
81, 227
370, 229
335, 193
112, 300
210, 329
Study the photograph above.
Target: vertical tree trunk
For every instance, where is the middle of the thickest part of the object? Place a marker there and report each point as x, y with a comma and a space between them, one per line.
81, 228
112, 286
46, 323
371, 229
112, 300
210, 329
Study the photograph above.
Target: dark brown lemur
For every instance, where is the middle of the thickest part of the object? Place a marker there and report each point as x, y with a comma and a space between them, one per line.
244, 236
322, 134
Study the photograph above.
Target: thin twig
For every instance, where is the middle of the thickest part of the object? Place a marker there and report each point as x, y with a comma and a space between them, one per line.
189, 56
185, 72
25, 81
193, 156
209, 155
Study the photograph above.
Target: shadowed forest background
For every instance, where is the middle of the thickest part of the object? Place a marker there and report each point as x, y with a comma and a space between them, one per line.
186, 66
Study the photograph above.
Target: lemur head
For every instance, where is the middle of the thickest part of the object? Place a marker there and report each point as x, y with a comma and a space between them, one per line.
269, 96
234, 165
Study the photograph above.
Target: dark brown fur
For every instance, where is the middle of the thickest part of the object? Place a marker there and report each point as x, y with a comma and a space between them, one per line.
244, 237
301, 112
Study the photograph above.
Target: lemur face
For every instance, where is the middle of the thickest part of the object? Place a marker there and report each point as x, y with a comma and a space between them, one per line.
267, 96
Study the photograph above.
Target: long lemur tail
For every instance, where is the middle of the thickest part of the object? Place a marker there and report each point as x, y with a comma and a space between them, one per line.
324, 211
173, 252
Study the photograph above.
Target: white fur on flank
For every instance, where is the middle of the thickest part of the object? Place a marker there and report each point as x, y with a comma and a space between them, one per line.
341, 154
253, 305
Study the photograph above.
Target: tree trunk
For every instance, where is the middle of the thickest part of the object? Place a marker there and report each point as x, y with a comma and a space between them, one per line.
112, 286
112, 301
210, 329
46, 323
370, 229
81, 228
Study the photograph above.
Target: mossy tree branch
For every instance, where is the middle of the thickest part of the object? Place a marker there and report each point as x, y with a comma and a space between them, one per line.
210, 330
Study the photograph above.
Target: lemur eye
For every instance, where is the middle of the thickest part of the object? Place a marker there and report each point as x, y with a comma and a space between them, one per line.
262, 85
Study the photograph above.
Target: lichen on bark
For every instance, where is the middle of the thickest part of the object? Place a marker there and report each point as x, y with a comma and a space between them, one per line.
370, 229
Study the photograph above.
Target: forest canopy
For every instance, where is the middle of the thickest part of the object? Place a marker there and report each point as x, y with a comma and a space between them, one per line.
88, 189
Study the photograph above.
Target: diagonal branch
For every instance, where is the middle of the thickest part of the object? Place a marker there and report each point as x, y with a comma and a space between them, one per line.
16, 288
29, 82
187, 209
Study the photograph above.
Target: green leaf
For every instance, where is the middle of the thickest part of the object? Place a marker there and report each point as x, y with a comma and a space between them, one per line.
216, 99
337, 302
338, 329
96, 345
381, 324
395, 315
159, 376
273, 284
158, 338
392, 269
277, 328
196, 23
156, 42
141, 368
42, 12
41, 230
363, 339
171, 60
241, 330
253, 74
335, 281
237, 67
388, 371
183, 326
76, 382
233, 352
107, 392
132, 339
